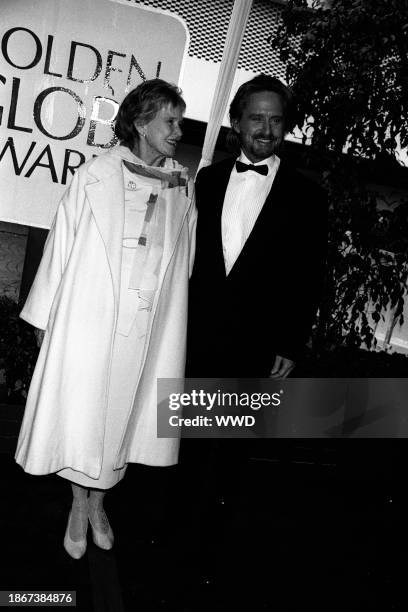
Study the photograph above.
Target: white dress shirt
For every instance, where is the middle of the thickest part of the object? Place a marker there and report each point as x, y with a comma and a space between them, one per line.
244, 198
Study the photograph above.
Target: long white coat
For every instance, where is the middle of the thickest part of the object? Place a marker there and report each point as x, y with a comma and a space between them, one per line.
74, 298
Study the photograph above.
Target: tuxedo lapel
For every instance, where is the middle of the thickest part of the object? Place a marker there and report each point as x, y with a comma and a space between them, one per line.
271, 224
222, 183
221, 179
211, 188
217, 188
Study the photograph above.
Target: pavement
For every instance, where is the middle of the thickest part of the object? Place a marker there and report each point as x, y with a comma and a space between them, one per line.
312, 525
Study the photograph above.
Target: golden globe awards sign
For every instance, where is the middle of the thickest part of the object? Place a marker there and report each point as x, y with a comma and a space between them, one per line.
65, 66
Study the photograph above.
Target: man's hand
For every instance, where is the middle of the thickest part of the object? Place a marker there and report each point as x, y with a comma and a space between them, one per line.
282, 367
39, 336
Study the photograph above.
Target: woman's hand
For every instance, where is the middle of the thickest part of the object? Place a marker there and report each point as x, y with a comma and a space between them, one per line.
39, 336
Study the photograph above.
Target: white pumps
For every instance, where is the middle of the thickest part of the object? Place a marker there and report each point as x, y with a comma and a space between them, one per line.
102, 539
75, 548
102, 533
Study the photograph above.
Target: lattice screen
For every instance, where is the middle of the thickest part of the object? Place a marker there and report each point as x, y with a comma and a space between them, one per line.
207, 21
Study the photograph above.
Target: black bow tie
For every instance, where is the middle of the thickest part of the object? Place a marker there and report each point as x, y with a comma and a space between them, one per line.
244, 167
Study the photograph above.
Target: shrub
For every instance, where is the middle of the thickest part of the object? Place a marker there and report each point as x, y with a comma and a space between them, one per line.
18, 350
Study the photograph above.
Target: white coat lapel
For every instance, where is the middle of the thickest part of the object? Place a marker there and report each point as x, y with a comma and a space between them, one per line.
106, 198
175, 213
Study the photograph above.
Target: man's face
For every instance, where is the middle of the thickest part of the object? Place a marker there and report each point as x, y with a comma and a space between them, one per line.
261, 127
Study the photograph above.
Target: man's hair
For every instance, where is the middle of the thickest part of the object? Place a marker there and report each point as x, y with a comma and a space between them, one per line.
142, 104
260, 83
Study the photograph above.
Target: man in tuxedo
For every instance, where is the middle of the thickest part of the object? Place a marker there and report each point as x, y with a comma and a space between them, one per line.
256, 282
260, 252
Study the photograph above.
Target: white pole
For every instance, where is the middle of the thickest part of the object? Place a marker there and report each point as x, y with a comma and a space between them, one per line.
235, 34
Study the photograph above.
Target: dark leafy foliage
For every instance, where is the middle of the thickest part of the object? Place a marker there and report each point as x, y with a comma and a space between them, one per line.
347, 362
347, 63
18, 350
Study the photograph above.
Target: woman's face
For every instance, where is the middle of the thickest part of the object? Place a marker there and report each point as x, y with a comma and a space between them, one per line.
160, 136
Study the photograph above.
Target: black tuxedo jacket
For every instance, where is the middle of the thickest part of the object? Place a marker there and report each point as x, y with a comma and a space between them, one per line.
267, 303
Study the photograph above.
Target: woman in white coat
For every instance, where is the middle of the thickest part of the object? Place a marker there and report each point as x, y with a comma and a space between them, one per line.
109, 304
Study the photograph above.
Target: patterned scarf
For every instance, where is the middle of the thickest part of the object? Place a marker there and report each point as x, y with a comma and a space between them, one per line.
169, 182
